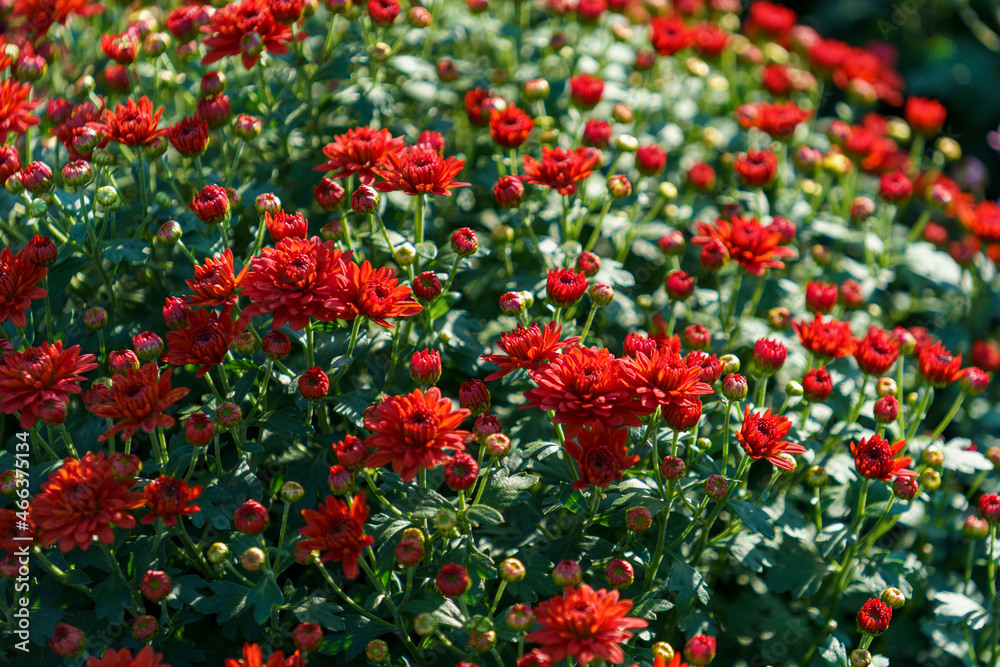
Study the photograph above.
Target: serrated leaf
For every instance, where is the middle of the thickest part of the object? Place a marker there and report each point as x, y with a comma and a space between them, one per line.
689, 585
229, 600
955, 607
835, 653
264, 597
112, 597
484, 514
755, 518
319, 610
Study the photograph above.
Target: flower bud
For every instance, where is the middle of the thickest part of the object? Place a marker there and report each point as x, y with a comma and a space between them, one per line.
567, 573
619, 187
734, 387
730, 363
905, 487
364, 200
619, 573
217, 553
700, 649
638, 519
170, 232
932, 456
601, 294
520, 617
975, 528
253, 559
512, 570
291, 492
716, 486
886, 409
464, 242
893, 597
930, 479
423, 624
672, 467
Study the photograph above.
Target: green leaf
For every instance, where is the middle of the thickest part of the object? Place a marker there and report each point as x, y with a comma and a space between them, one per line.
352, 643
112, 597
649, 604
484, 514
504, 491
43, 622
129, 250
264, 597
229, 600
955, 608
754, 517
426, 249
689, 584
835, 653
286, 423
319, 610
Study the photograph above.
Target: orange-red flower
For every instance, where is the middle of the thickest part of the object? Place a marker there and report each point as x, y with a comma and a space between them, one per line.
359, 151
203, 339
133, 123
81, 500
585, 624
982, 219
762, 437
601, 453
778, 119
825, 338
560, 169
215, 281
510, 128
925, 115
167, 498
876, 352
528, 348
296, 280
419, 170
750, 244
414, 431
875, 458
663, 377
15, 109
939, 366
585, 386
124, 658
138, 399
240, 23
376, 295
39, 15
38, 375
19, 278
338, 532
254, 657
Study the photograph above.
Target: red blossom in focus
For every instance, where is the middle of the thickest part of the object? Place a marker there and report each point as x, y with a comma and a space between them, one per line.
359, 151
30, 378
419, 170
560, 169
375, 294
204, 339
230, 26
829, 339
133, 123
528, 348
750, 244
601, 454
137, 399
762, 436
167, 498
875, 458
214, 282
337, 531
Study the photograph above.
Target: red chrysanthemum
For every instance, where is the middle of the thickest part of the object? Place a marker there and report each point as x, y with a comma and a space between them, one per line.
585, 624
756, 168
121, 48
771, 18
668, 35
510, 128
337, 532
750, 244
926, 116
81, 500
778, 119
982, 219
939, 366
359, 151
876, 352
15, 109
138, 399
829, 339
204, 339
37, 16
585, 386
167, 498
133, 123
124, 658
215, 281
586, 90
564, 287
875, 458
234, 24
254, 657
560, 169
40, 374
189, 137
601, 454
296, 280
419, 170
283, 225
375, 294
528, 348
414, 431
661, 378
762, 437
19, 278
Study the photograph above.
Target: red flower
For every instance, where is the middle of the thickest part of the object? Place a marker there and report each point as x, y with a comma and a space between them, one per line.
376, 295
19, 278
123, 658
15, 109
214, 282
564, 287
650, 160
203, 339
938, 366
875, 458
39, 15
419, 170
167, 498
983, 219
338, 532
296, 280
876, 352
778, 119
510, 128
708, 364
414, 431
756, 168
709, 39
121, 48
750, 244
986, 355
669, 35
283, 225
528, 348
774, 19
662, 378
133, 123
560, 169
762, 437
30, 378
383, 12
586, 90
230, 25
585, 624
189, 137
254, 657
874, 617
601, 453
138, 398
474, 102
828, 339
585, 386
701, 177
360, 151
817, 385
926, 116
81, 500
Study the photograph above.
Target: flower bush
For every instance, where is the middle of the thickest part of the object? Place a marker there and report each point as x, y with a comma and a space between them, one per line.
597, 332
